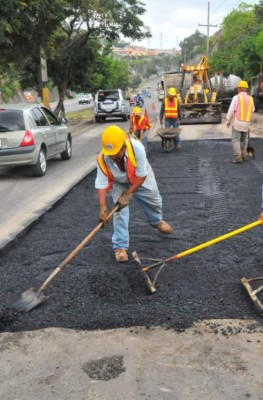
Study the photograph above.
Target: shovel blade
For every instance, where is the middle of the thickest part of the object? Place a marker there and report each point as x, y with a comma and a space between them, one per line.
30, 299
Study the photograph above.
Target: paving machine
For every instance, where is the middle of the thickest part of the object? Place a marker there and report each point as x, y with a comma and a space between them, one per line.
195, 93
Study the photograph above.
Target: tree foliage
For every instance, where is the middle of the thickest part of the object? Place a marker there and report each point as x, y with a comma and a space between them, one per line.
61, 29
238, 47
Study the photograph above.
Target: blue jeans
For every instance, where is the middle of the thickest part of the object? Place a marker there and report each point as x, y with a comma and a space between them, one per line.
151, 204
145, 137
173, 123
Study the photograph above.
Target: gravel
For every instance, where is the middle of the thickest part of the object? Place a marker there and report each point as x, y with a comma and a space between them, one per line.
204, 196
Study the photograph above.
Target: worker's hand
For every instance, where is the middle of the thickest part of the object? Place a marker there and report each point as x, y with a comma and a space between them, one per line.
228, 124
103, 214
261, 217
130, 130
124, 199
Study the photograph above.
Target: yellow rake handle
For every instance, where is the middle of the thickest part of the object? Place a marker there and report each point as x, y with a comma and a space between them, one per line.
206, 244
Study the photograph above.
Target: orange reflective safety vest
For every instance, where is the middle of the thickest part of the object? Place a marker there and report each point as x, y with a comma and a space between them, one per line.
141, 123
170, 108
244, 108
130, 165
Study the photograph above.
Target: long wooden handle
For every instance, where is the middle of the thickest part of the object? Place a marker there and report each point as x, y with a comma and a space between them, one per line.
77, 250
203, 245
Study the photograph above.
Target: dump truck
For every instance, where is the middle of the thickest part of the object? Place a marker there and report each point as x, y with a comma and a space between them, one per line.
195, 93
226, 86
256, 90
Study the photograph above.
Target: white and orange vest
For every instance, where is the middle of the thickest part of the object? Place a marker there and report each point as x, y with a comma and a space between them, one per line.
244, 108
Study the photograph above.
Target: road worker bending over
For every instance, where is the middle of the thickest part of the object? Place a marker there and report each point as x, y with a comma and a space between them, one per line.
122, 167
140, 126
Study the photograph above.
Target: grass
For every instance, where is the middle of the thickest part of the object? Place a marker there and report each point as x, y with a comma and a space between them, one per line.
84, 115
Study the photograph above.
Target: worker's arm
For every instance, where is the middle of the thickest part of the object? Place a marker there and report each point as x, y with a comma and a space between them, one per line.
126, 196
231, 111
103, 211
102, 197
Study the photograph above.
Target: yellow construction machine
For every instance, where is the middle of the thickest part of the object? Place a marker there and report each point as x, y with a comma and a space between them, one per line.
195, 93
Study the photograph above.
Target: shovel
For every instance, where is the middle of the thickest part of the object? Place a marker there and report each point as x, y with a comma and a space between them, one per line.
161, 263
31, 298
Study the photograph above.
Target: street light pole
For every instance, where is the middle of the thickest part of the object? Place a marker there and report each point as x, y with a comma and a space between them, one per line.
208, 26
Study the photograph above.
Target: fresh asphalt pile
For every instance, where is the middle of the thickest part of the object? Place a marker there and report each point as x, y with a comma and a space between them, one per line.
204, 196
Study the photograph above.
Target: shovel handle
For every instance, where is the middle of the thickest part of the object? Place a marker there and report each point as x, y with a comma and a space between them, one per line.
203, 245
77, 250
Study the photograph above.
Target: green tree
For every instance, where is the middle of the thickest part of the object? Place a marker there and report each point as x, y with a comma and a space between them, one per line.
238, 46
64, 27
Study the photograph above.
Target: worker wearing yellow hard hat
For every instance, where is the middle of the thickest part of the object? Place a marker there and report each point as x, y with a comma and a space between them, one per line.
240, 115
171, 112
123, 168
140, 126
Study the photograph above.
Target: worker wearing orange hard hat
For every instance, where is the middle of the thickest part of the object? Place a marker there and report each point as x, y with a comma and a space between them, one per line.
171, 112
240, 115
123, 168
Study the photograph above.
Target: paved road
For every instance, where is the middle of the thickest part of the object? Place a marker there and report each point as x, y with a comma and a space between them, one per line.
124, 364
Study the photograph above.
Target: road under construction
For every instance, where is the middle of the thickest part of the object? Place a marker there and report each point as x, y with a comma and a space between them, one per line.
204, 196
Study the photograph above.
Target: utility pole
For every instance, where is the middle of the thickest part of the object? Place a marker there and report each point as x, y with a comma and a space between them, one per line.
44, 79
208, 26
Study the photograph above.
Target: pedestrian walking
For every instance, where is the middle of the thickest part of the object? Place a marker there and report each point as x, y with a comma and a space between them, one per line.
123, 168
140, 126
171, 112
240, 115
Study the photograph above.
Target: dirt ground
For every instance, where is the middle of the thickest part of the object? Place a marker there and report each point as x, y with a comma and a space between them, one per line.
204, 196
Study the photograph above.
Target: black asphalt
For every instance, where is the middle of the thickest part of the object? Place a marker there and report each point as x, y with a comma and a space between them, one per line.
204, 196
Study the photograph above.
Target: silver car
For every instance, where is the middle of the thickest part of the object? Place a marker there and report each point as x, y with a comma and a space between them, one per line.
30, 134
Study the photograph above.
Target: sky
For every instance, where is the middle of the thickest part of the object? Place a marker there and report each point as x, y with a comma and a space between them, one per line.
171, 21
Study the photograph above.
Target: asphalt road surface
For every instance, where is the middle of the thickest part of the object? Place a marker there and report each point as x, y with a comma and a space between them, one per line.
100, 334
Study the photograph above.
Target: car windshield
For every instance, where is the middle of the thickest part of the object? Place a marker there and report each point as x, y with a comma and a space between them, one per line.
11, 120
108, 95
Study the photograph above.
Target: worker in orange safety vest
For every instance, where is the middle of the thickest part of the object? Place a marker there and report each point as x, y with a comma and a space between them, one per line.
123, 169
240, 114
170, 110
140, 126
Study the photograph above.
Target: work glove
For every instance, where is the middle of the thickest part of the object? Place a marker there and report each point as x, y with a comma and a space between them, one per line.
103, 214
124, 199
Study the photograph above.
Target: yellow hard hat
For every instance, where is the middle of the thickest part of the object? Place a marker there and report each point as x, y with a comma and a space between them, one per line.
172, 92
113, 138
137, 110
242, 85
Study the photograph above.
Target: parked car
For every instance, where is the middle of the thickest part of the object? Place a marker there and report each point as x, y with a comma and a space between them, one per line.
86, 99
111, 103
30, 134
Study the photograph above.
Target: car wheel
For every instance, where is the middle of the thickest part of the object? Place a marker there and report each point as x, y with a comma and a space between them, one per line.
67, 153
40, 168
97, 119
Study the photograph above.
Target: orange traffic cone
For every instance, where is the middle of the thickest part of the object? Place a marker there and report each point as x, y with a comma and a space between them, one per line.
153, 107
146, 113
